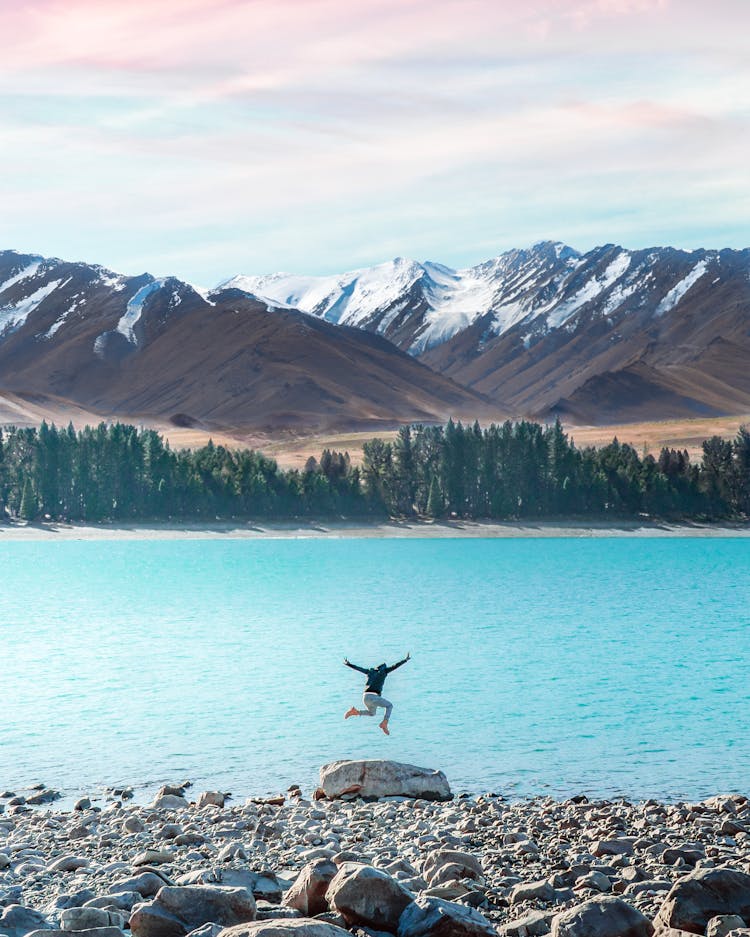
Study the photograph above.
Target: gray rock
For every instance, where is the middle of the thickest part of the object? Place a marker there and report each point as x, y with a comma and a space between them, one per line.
433, 917
189, 839
89, 932
682, 854
47, 796
150, 920
11, 895
653, 885
383, 779
613, 847
532, 891
440, 857
722, 924
211, 798
602, 917
122, 901
287, 927
146, 884
535, 924
596, 880
308, 891
153, 857
4, 860
74, 899
169, 802
264, 886
87, 918
181, 909
172, 790
362, 894
82, 803
133, 825
701, 895
68, 864
207, 930
268, 913
16, 921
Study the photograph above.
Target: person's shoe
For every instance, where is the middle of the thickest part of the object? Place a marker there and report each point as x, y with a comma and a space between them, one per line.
352, 712
384, 726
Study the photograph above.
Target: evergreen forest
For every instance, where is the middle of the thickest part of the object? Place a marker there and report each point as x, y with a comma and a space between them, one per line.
515, 470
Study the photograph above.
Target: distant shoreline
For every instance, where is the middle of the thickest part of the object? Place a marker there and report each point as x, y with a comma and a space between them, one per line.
415, 529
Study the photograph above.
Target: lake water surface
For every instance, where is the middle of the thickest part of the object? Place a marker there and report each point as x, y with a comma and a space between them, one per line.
607, 666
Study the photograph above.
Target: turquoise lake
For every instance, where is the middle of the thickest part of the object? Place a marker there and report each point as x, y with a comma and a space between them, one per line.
540, 666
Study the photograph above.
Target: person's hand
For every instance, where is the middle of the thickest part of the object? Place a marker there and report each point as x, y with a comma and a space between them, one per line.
346, 660
408, 655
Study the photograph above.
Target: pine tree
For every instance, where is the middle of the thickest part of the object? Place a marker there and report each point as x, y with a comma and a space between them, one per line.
28, 509
435, 504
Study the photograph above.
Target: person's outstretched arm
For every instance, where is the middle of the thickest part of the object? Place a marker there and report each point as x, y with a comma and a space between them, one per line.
354, 666
400, 663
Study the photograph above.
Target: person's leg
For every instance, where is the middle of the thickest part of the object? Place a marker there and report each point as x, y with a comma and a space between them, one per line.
370, 704
388, 710
387, 705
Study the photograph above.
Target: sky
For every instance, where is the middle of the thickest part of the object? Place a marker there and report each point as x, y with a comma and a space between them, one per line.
204, 138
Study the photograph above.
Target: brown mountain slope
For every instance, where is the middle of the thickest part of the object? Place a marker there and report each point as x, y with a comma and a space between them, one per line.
643, 358
157, 349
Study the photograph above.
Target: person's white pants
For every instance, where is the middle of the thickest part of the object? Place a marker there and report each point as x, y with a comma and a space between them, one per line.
372, 701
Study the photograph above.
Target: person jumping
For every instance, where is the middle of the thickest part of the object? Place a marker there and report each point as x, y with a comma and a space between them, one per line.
373, 688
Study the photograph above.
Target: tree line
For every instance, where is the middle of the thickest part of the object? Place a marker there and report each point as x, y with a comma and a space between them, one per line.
513, 470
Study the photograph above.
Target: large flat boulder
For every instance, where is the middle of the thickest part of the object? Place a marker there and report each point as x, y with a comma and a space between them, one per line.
701, 895
382, 779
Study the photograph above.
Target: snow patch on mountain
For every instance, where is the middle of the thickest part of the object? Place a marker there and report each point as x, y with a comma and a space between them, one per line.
590, 290
78, 301
455, 299
678, 290
12, 317
113, 281
26, 273
134, 310
345, 299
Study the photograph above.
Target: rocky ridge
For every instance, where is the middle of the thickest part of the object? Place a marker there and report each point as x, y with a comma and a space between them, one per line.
607, 335
337, 865
155, 349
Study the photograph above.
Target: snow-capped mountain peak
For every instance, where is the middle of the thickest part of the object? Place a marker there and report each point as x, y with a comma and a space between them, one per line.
543, 288
438, 301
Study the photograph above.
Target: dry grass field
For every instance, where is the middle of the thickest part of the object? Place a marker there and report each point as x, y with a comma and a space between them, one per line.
645, 437
292, 450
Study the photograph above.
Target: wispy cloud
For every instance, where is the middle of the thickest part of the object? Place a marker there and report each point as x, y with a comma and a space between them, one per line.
207, 136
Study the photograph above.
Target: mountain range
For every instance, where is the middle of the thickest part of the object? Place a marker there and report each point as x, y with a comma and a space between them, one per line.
597, 337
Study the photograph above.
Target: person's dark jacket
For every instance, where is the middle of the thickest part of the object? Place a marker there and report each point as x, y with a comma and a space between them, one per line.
376, 675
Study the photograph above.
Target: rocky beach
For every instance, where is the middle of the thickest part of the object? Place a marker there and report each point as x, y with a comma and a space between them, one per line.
378, 849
